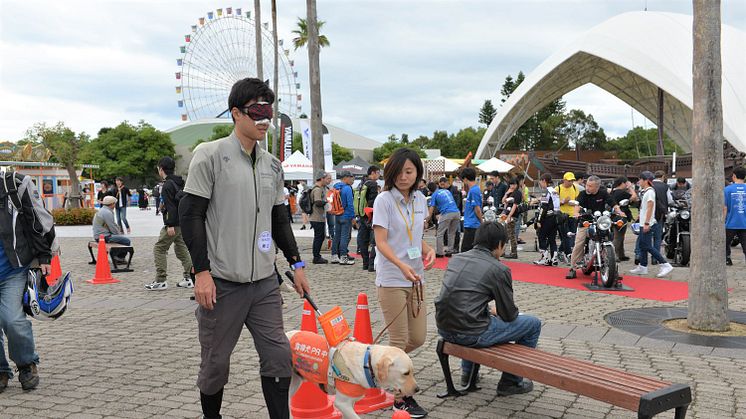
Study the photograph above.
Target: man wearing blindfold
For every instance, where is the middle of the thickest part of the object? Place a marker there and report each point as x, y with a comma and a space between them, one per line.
231, 217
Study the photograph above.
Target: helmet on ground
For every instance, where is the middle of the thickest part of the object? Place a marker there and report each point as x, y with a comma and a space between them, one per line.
43, 301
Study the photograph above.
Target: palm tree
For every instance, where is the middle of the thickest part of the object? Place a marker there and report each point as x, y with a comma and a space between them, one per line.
708, 294
308, 34
258, 36
276, 135
302, 39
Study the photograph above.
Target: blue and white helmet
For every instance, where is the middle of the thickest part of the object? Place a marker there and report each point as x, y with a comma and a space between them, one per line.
44, 302
636, 228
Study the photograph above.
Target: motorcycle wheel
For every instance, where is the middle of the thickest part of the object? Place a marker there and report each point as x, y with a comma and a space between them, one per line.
669, 244
682, 256
588, 258
609, 271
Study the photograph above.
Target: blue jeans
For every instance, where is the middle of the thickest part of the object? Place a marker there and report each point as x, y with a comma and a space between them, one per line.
122, 217
114, 238
14, 323
342, 234
524, 330
647, 245
330, 224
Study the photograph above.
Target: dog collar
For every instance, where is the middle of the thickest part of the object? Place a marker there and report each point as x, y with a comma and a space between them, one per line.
369, 369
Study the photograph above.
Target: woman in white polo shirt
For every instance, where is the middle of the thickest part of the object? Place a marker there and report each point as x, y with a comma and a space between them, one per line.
398, 222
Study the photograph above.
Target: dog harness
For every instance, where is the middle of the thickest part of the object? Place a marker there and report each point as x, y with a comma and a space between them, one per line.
317, 362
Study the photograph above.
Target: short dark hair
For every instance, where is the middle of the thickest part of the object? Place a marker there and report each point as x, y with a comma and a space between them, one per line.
520, 177
547, 177
659, 174
167, 164
104, 183
432, 187
680, 179
248, 89
581, 176
469, 174
618, 181
513, 181
396, 164
495, 173
443, 179
740, 173
373, 168
491, 235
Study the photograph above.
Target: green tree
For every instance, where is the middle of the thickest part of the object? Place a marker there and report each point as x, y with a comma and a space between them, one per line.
387, 149
640, 142
301, 32
465, 141
487, 113
340, 154
582, 132
130, 151
218, 132
66, 147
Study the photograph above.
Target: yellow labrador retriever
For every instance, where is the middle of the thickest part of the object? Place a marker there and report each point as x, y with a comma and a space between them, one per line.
352, 367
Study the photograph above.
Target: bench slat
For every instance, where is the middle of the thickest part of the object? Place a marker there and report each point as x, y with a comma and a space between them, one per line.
548, 360
570, 380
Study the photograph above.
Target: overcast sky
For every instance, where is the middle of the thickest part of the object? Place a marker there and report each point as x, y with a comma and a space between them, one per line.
393, 66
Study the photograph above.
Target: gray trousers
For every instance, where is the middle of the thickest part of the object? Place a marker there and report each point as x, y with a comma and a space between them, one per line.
448, 225
256, 305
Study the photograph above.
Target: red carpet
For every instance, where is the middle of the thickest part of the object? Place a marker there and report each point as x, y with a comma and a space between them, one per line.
644, 287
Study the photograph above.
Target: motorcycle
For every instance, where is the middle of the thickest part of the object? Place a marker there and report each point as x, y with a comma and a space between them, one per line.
676, 233
599, 257
489, 211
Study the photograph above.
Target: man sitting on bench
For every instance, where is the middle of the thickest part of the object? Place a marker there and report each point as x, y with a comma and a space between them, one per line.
105, 223
462, 312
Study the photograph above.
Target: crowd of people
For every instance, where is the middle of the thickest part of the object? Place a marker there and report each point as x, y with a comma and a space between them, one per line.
229, 256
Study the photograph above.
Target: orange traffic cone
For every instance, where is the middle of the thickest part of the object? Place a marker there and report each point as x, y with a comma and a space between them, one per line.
375, 398
56, 271
401, 414
309, 401
103, 271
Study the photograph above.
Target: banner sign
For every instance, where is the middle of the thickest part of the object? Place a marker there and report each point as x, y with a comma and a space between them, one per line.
286, 132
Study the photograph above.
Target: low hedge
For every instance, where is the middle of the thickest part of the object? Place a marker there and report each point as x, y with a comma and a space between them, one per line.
73, 216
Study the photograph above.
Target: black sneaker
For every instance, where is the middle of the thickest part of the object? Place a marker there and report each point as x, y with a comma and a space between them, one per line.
728, 262
511, 256
4, 377
623, 259
320, 261
525, 386
28, 375
520, 241
571, 274
409, 405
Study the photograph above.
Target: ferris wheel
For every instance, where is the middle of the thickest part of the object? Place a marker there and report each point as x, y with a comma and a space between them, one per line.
220, 50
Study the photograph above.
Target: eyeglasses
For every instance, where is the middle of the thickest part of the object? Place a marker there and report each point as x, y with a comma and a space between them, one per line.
259, 112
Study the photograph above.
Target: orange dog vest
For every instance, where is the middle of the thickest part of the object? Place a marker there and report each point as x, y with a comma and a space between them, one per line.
311, 354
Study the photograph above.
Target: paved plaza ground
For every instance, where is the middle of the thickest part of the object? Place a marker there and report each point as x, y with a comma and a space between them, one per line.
125, 352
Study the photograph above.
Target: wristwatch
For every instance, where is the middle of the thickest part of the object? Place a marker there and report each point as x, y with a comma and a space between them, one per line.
299, 264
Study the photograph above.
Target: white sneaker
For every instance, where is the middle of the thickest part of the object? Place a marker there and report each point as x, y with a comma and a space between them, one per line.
157, 286
639, 270
519, 248
335, 259
344, 260
543, 259
186, 283
665, 269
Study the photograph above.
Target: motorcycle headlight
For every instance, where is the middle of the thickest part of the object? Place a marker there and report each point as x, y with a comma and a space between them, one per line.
604, 223
684, 215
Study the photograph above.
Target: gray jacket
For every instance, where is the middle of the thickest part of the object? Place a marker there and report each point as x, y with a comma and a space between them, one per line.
105, 223
473, 279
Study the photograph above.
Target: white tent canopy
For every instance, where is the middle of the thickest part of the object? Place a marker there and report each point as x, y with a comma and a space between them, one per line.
495, 164
297, 167
450, 165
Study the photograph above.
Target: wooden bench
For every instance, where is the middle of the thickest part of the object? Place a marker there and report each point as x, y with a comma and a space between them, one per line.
128, 250
646, 396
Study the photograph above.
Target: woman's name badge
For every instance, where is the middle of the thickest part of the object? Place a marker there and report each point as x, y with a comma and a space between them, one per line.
414, 253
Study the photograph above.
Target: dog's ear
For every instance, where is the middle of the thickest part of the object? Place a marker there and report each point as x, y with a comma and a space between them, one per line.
382, 368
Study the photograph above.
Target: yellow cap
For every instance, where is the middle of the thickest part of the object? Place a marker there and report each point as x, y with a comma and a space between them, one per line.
569, 176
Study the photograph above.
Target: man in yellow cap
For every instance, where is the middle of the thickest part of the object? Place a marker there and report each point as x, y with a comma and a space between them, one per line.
567, 222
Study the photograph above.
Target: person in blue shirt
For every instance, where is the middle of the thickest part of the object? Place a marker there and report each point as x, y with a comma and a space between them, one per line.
735, 212
343, 223
449, 220
472, 208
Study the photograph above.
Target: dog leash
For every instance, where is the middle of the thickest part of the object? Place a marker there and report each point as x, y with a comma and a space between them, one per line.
418, 293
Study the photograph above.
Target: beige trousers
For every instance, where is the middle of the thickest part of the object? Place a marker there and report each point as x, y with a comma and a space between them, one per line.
406, 332
577, 251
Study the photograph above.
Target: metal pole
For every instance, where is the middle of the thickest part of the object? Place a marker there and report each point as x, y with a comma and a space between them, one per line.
660, 121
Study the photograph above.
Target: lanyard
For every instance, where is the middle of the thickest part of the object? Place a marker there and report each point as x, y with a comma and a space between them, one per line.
409, 228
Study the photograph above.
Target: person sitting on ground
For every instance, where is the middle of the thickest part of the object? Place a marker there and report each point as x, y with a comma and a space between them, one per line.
462, 312
105, 223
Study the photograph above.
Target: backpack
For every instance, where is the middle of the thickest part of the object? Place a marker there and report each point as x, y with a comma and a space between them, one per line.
334, 198
360, 200
305, 201
11, 188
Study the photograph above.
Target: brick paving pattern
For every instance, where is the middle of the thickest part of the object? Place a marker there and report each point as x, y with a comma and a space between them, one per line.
124, 352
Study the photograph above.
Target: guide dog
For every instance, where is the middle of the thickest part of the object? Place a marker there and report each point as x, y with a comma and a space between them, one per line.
356, 367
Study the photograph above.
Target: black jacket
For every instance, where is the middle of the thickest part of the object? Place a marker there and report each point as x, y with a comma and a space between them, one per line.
127, 194
27, 238
170, 188
472, 280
